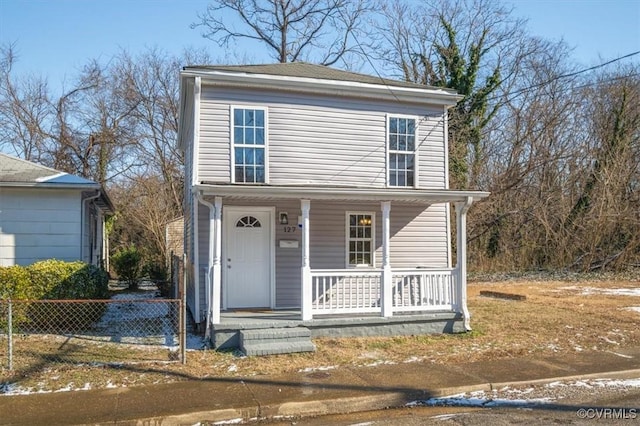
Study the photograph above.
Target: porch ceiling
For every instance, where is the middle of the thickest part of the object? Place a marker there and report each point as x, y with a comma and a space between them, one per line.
336, 193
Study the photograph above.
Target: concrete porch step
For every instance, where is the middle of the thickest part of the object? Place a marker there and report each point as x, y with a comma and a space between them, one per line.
271, 341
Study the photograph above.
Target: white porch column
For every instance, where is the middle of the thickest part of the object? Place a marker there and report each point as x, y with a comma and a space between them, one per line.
386, 293
461, 258
216, 270
305, 292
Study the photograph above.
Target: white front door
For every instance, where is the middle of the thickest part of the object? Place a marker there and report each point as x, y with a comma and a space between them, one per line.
247, 260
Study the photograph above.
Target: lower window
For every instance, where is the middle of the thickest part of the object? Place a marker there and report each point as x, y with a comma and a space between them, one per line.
360, 239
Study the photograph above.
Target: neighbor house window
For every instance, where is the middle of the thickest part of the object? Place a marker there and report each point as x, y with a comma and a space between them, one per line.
401, 143
360, 239
249, 142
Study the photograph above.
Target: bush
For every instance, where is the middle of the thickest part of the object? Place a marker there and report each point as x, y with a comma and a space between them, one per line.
54, 279
14, 283
156, 271
127, 264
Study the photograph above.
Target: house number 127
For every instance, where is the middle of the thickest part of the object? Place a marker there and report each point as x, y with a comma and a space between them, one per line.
289, 229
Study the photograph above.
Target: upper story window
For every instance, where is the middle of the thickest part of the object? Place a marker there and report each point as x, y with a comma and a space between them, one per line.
249, 138
402, 151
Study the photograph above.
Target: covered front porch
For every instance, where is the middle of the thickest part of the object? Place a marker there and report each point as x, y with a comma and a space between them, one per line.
355, 300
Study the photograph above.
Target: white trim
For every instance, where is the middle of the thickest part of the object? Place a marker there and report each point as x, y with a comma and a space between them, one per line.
262, 192
217, 263
306, 282
272, 247
195, 167
448, 224
416, 172
348, 239
461, 264
445, 131
422, 96
386, 302
265, 109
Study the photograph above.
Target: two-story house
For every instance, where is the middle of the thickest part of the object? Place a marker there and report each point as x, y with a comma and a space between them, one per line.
319, 198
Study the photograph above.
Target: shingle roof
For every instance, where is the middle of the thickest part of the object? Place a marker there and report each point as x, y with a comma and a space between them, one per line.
16, 171
306, 70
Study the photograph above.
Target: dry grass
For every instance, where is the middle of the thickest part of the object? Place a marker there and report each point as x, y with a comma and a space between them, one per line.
555, 318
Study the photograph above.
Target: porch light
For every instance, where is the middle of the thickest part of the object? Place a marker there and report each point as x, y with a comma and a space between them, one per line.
284, 218
365, 221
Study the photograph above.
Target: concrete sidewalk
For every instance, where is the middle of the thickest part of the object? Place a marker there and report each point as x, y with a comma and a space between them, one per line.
345, 389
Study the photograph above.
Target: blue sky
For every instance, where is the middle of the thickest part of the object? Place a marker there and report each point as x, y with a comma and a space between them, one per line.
54, 38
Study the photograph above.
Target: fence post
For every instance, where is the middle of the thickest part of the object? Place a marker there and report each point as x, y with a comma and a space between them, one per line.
10, 334
183, 311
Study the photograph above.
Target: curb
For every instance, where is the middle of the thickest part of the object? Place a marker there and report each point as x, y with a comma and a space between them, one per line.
349, 405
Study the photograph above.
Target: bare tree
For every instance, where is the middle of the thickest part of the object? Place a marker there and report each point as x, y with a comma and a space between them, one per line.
24, 109
474, 47
318, 31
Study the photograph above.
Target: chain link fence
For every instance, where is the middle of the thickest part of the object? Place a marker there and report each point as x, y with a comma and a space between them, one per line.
128, 328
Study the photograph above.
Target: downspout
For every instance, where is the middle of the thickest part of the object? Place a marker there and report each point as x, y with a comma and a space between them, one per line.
82, 224
208, 288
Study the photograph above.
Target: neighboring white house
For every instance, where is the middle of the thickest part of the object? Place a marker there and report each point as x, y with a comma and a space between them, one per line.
320, 191
48, 214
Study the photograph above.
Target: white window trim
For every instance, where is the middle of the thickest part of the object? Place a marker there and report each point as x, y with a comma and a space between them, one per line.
347, 239
416, 149
232, 169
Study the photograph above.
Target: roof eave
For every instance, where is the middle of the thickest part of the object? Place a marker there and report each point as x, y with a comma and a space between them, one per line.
326, 87
78, 186
340, 193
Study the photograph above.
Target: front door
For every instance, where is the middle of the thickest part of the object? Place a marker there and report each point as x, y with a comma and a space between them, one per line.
247, 257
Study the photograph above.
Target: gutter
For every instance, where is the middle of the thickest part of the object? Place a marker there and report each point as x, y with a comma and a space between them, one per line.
82, 221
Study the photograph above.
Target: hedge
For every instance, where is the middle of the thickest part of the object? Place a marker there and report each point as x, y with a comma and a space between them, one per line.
53, 279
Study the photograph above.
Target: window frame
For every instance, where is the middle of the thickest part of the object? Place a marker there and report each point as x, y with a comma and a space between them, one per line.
348, 239
415, 151
233, 145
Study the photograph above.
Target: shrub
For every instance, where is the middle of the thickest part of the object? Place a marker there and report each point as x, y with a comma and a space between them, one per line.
14, 283
53, 279
127, 264
156, 271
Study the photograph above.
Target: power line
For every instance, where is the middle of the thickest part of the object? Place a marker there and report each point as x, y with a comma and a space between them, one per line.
572, 74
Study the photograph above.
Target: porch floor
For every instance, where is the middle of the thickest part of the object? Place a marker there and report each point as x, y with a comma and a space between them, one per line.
226, 334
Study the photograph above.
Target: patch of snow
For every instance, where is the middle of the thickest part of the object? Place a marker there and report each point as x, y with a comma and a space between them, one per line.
477, 401
587, 291
606, 339
634, 309
620, 355
232, 368
312, 369
447, 416
229, 422
627, 383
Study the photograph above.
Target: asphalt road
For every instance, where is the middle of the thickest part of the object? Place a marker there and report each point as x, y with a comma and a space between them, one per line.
567, 405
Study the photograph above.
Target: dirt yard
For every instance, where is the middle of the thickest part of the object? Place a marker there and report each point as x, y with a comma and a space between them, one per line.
555, 317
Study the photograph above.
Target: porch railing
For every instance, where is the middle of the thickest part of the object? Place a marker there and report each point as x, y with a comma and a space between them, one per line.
423, 290
358, 291
345, 291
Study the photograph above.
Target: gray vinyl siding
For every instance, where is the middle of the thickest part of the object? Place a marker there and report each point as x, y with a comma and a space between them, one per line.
203, 253
418, 239
319, 140
188, 205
